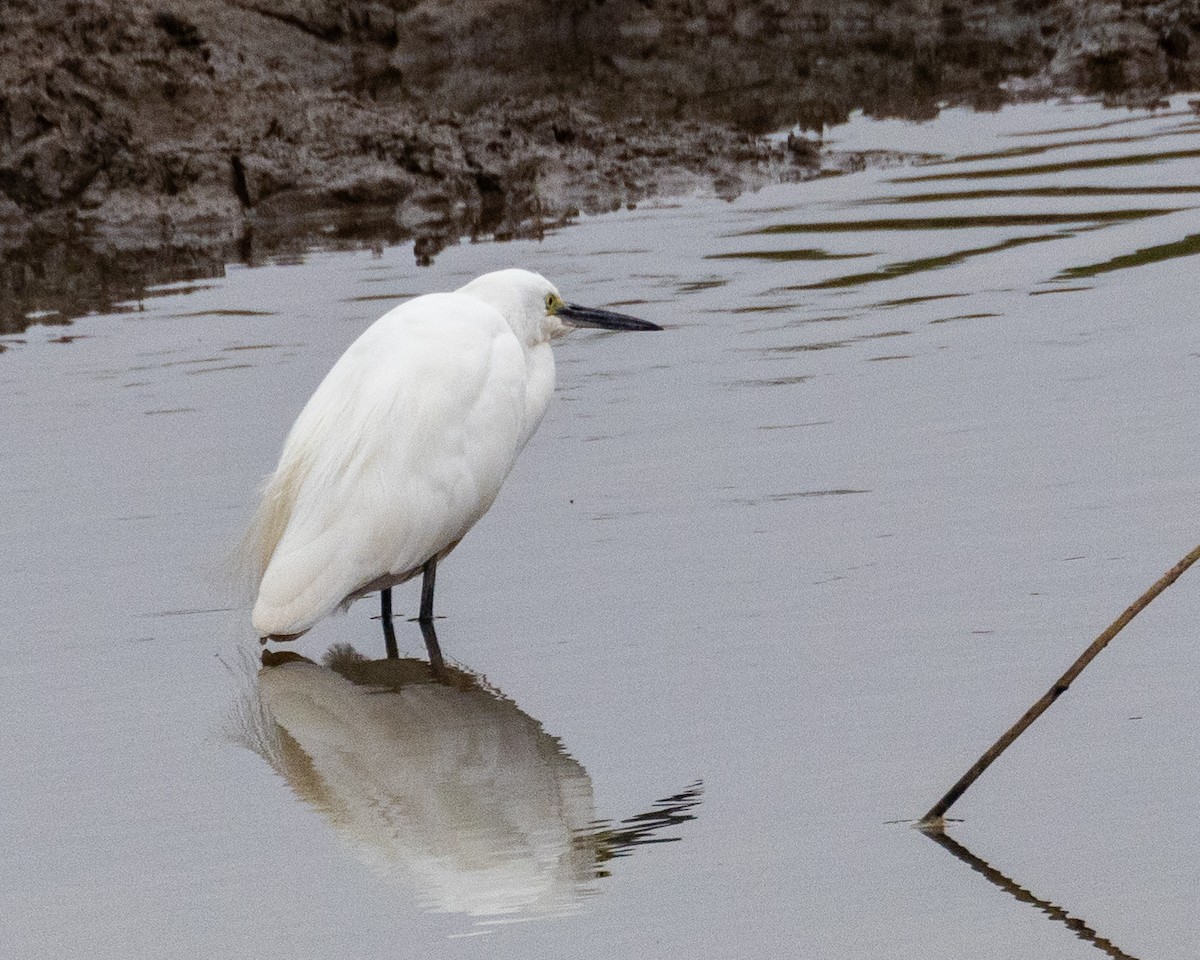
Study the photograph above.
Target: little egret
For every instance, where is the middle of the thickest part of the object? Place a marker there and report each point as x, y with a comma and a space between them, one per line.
404, 446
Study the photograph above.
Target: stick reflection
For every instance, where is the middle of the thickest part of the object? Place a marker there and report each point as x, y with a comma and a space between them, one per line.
434, 777
1011, 887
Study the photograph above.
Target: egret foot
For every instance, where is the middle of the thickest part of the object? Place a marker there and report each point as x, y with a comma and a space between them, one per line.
428, 575
436, 662
389, 630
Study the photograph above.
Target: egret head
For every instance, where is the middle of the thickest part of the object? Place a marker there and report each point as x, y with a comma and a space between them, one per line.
537, 312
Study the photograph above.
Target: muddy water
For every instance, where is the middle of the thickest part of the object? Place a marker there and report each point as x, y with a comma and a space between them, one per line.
761, 587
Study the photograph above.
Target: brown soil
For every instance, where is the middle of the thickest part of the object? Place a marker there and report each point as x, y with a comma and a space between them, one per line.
229, 129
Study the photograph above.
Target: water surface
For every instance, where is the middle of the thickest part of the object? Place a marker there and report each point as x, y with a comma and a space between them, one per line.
758, 591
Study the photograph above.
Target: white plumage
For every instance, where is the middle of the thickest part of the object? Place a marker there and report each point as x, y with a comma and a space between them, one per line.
405, 445
449, 786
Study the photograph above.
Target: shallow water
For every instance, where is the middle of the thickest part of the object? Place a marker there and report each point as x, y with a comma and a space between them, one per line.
759, 590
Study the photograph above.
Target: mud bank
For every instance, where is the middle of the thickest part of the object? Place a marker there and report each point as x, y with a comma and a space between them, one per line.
222, 129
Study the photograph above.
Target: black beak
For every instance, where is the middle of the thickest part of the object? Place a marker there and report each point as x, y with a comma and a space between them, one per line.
578, 316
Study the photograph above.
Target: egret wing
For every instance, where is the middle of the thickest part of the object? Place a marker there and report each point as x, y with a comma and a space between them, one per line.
401, 449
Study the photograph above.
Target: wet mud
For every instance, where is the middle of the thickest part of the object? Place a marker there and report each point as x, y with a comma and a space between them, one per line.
142, 142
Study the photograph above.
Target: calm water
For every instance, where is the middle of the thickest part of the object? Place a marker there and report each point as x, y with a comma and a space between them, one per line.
761, 588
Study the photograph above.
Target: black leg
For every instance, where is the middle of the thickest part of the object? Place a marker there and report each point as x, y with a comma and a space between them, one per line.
431, 645
389, 631
429, 571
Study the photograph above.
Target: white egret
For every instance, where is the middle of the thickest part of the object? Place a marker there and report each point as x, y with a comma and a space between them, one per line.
404, 446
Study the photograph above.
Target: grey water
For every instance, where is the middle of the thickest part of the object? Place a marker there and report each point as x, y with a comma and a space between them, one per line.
761, 587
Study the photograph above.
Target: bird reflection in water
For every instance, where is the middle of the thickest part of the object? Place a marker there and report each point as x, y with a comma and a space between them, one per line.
432, 776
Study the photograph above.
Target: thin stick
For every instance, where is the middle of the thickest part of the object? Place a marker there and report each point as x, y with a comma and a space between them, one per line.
938, 810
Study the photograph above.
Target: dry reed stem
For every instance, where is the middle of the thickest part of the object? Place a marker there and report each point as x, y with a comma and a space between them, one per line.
933, 819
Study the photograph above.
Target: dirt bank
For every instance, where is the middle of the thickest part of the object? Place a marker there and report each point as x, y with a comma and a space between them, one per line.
134, 125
